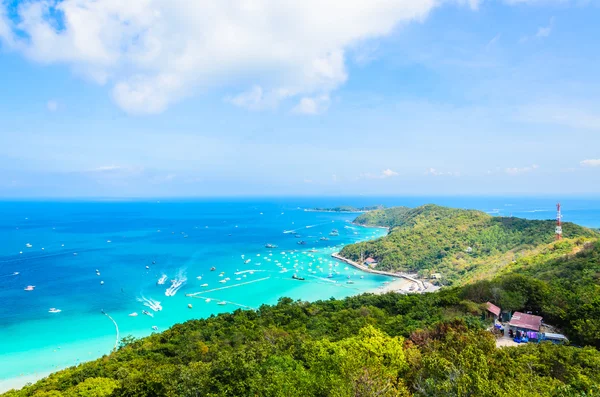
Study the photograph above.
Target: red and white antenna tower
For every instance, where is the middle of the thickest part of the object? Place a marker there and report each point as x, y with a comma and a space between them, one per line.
558, 222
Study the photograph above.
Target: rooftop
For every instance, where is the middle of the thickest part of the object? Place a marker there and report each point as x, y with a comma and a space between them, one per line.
493, 309
526, 321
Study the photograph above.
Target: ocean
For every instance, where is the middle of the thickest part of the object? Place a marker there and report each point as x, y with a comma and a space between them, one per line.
100, 261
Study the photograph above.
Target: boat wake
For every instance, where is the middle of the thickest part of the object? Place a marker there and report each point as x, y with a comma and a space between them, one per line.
176, 284
151, 303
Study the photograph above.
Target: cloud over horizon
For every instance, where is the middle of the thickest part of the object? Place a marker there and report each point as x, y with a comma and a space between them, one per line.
155, 52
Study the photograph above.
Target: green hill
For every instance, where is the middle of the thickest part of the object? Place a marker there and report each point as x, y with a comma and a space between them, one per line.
460, 244
384, 345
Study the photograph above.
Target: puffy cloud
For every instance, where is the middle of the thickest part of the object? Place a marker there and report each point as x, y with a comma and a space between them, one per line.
155, 52
388, 173
590, 163
312, 105
524, 170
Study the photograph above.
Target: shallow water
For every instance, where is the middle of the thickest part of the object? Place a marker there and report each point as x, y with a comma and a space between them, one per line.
179, 239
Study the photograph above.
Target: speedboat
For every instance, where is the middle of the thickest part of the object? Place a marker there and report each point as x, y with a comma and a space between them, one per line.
28, 245
54, 310
222, 303
30, 288
154, 327
175, 286
134, 314
15, 273
162, 279
223, 281
296, 277
270, 246
204, 285
147, 313
247, 261
212, 269
301, 242
207, 300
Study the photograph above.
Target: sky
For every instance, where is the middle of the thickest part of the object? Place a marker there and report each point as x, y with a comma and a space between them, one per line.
157, 98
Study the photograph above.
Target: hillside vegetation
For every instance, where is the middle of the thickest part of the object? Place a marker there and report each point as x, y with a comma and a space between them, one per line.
369, 345
379, 345
462, 245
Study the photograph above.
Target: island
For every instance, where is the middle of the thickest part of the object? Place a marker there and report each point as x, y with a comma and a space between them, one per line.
518, 314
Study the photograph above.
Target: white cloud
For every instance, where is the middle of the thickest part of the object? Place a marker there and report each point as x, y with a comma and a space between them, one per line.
312, 105
52, 106
590, 163
435, 172
544, 31
388, 173
518, 171
155, 52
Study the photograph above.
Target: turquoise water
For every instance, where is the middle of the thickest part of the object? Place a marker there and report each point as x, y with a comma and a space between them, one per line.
177, 239
180, 239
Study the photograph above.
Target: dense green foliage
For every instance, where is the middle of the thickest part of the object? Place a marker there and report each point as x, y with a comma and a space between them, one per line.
459, 244
562, 284
388, 345
383, 217
378, 345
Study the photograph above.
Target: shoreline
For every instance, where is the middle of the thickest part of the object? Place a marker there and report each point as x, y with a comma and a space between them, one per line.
404, 281
20, 381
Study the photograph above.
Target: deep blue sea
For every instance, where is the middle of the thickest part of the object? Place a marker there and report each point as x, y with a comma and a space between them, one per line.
85, 257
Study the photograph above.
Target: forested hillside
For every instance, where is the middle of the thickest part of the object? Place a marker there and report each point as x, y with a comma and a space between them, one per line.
462, 245
385, 345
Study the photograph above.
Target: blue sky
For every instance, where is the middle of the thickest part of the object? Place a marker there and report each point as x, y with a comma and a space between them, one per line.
259, 97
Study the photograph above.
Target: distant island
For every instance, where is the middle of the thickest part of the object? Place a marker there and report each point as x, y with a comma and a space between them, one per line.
346, 208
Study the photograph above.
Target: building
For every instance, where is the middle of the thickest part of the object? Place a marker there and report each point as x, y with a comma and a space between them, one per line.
370, 262
525, 322
493, 310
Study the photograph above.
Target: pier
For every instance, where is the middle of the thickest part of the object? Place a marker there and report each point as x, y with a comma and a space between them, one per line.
367, 269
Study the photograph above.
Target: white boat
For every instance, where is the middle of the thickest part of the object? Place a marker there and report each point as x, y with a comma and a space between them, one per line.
204, 285
247, 261
54, 310
30, 288
223, 281
207, 300
28, 245
162, 279
199, 277
222, 303
154, 327
101, 282
134, 314
15, 273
